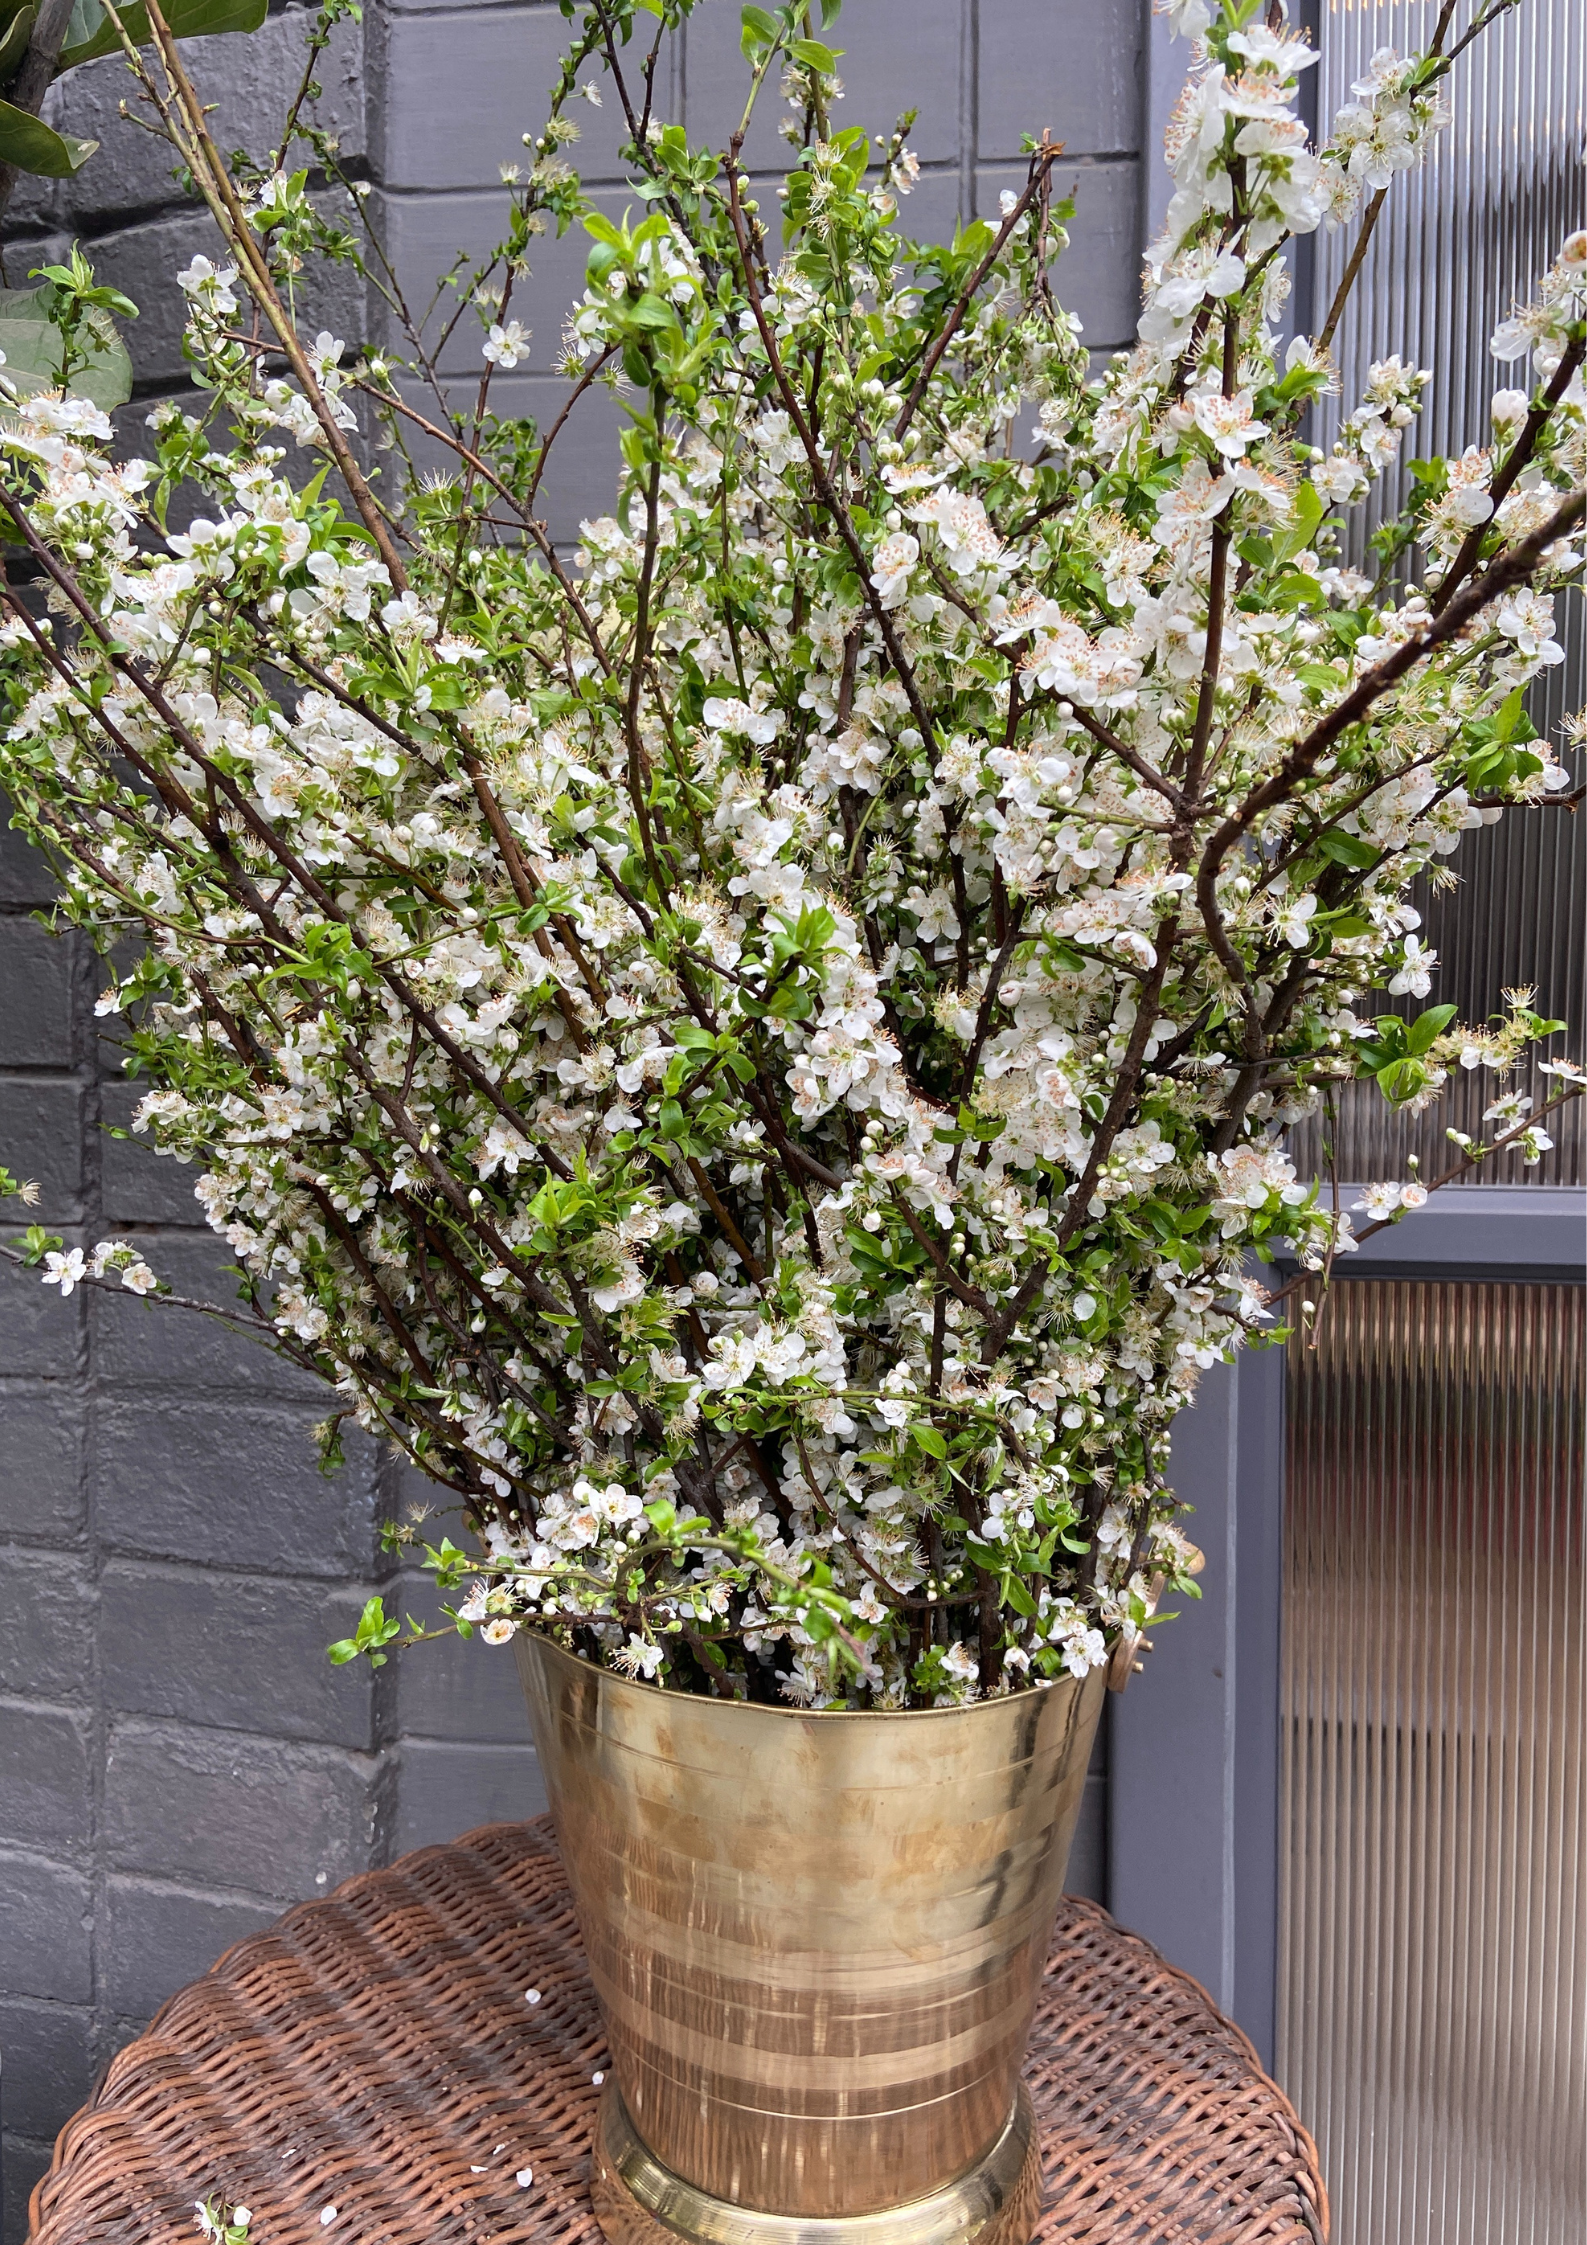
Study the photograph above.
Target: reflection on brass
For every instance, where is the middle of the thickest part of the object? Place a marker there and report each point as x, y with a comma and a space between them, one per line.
637, 2201
816, 1937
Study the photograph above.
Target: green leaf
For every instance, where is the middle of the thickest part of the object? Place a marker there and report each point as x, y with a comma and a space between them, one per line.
1297, 590
1428, 1026
92, 33
651, 313
1347, 849
1401, 1080
814, 56
930, 1441
1509, 714
759, 30
32, 347
1306, 513
14, 43
84, 23
374, 1630
33, 147
1494, 768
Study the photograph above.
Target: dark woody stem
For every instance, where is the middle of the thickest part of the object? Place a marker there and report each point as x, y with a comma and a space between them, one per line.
825, 488
1520, 456
214, 183
1041, 165
1514, 567
1462, 1168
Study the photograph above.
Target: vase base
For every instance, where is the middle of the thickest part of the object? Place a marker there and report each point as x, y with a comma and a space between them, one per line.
637, 2201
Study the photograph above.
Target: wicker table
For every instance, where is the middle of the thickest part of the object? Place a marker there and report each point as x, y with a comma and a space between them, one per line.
376, 2053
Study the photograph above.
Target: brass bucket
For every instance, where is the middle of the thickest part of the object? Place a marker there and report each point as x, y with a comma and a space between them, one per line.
816, 1939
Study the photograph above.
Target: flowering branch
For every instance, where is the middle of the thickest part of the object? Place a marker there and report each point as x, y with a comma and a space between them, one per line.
1471, 1157
1041, 165
759, 1052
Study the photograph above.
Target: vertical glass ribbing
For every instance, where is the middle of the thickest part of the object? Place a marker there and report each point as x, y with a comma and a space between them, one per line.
1457, 244
1432, 2021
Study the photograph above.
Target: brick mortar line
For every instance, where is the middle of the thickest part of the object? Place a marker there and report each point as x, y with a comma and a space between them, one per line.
933, 167
159, 1881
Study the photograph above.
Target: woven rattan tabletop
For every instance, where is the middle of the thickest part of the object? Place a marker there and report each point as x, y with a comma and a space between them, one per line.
376, 2053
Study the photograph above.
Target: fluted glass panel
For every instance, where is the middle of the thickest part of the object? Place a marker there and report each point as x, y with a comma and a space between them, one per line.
1458, 243
1432, 2025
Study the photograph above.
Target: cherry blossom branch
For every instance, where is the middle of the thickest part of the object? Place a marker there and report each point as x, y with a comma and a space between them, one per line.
1518, 458
1514, 567
1434, 53
1078, 1212
818, 467
557, 426
531, 523
1041, 164
524, 885
1119, 747
1467, 1163
214, 183
270, 840
249, 1323
971, 1296
1352, 271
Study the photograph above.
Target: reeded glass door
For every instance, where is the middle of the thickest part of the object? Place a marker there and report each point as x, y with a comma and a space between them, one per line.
1432, 2011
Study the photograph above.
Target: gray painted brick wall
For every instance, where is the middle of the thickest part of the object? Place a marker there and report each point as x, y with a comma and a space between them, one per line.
177, 1759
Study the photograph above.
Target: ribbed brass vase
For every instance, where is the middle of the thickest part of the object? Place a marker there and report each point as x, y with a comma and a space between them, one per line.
816, 1939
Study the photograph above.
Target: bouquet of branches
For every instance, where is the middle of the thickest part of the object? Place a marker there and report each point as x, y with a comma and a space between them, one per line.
758, 1054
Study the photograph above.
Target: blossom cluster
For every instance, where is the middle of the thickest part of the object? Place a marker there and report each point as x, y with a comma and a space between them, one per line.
761, 1057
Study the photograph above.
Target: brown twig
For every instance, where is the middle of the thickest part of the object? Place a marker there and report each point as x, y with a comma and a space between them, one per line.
1352, 271
558, 424
1503, 484
1462, 1168
1046, 156
214, 183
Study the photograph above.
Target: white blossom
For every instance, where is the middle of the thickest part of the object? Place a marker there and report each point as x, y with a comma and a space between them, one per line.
760, 1047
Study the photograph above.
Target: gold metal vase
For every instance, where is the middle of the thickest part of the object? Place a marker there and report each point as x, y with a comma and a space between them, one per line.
817, 1941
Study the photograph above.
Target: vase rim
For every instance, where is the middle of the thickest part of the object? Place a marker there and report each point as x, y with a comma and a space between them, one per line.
616, 1678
